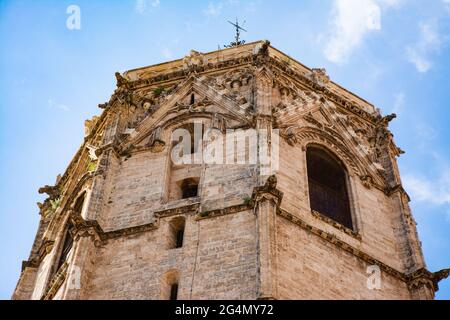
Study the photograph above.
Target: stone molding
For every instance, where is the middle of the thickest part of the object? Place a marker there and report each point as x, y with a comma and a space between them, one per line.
337, 225
93, 230
56, 283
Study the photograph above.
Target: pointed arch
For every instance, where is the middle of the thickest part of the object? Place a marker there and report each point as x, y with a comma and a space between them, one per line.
335, 143
328, 185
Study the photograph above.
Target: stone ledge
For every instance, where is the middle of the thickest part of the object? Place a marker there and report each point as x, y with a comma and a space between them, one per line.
336, 225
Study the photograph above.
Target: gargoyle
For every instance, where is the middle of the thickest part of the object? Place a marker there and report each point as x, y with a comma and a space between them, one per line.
52, 191
120, 79
441, 275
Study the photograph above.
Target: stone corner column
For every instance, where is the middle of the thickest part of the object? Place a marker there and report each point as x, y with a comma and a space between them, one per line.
86, 240
267, 200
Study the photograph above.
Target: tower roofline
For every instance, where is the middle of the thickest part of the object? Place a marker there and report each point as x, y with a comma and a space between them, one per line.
248, 48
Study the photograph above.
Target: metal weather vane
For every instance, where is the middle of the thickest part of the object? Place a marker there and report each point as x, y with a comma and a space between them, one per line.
238, 40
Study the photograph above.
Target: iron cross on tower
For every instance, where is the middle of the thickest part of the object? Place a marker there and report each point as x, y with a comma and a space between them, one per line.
237, 41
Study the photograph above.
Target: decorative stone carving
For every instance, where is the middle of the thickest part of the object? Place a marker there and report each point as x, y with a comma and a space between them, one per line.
193, 60
88, 125
320, 77
367, 181
155, 141
120, 79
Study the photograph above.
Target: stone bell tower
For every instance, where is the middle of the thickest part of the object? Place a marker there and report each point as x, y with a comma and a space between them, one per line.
299, 196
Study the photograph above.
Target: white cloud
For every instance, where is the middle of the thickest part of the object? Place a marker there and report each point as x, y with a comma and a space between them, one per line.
391, 3
167, 53
59, 106
352, 21
431, 188
435, 191
424, 135
399, 103
141, 5
428, 43
213, 10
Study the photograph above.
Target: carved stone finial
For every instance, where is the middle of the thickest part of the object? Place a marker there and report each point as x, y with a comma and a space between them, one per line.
320, 76
271, 182
120, 79
262, 48
88, 125
194, 59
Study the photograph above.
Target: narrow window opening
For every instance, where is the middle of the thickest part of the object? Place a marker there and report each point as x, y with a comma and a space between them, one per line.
192, 99
67, 246
180, 235
170, 285
176, 233
78, 207
174, 291
327, 186
189, 188
68, 239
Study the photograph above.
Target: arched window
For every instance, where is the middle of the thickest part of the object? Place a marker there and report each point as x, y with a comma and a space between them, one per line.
327, 180
170, 285
66, 247
79, 203
68, 239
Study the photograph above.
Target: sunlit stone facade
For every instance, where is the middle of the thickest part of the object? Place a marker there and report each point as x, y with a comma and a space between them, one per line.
127, 222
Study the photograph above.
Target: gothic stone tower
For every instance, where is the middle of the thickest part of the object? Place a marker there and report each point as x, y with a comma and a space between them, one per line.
325, 218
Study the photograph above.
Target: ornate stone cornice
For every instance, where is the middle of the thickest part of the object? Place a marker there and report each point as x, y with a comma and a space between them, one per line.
190, 208
223, 211
93, 230
337, 225
413, 280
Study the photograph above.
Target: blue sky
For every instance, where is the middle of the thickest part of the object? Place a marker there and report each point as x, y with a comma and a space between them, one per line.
394, 53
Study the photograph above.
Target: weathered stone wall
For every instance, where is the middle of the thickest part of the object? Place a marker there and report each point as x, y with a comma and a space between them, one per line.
312, 268
136, 190
371, 208
217, 261
25, 286
248, 247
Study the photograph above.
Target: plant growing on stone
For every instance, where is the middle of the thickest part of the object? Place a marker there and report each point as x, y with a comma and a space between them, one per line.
158, 91
92, 166
247, 200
